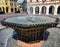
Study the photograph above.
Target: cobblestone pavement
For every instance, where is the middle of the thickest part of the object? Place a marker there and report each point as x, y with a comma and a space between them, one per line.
2, 27
6, 39
52, 41
4, 35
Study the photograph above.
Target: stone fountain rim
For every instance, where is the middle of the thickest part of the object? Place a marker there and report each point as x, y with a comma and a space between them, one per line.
26, 25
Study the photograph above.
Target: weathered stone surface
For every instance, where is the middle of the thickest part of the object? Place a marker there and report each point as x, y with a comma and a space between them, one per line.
53, 39
4, 35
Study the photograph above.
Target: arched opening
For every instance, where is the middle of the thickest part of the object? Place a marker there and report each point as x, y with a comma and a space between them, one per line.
51, 10
3, 9
7, 9
11, 9
58, 10
0, 10
15, 9
43, 10
31, 10
37, 10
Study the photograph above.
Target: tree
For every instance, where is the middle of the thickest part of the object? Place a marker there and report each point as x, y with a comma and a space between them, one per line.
24, 5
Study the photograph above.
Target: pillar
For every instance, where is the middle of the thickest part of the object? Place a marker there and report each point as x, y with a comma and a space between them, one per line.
28, 9
55, 10
13, 6
1, 8
33, 10
5, 5
40, 9
5, 9
9, 8
47, 10
17, 8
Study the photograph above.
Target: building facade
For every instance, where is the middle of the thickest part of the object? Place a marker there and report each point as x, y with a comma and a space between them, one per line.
8, 6
43, 7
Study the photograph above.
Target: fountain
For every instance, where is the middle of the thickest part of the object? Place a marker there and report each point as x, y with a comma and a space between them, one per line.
29, 28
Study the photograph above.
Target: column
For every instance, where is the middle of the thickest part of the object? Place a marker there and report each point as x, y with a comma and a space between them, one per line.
40, 9
28, 10
1, 8
33, 10
9, 8
17, 7
13, 6
5, 5
55, 10
47, 10
5, 9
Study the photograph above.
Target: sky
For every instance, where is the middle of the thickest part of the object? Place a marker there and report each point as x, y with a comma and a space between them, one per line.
20, 0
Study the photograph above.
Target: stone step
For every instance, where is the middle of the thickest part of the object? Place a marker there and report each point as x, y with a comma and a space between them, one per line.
58, 25
2, 27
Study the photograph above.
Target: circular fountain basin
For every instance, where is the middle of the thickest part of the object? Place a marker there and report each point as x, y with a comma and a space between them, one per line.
30, 28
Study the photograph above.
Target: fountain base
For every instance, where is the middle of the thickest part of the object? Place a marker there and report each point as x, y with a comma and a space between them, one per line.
31, 37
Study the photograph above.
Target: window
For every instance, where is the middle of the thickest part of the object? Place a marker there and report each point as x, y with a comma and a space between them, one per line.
37, 0
30, 0
6, 3
2, 3
52, 0
43, 0
11, 0
11, 4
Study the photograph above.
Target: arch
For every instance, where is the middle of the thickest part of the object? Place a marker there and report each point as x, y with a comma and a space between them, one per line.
3, 9
31, 10
0, 10
15, 9
43, 10
11, 9
30, 0
7, 9
58, 10
37, 10
51, 10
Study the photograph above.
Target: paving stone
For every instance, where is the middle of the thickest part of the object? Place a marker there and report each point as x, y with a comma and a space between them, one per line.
52, 41
58, 45
4, 35
11, 43
58, 25
58, 40
2, 27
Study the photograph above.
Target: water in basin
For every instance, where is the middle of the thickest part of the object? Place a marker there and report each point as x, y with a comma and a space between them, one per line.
30, 20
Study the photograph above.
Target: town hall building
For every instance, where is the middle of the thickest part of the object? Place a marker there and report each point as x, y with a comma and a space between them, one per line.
43, 7
8, 6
